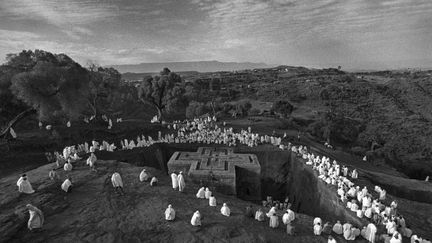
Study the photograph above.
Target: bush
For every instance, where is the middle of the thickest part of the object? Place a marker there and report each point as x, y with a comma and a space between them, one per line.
254, 112
242, 107
195, 109
282, 108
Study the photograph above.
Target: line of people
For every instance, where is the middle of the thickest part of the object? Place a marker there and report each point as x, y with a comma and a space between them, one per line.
359, 201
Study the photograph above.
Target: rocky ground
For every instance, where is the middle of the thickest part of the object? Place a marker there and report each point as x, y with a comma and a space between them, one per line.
93, 212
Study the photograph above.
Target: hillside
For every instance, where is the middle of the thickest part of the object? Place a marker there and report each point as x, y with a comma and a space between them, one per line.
384, 115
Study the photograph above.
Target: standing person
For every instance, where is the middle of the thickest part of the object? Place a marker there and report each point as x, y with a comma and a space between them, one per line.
274, 221
91, 161
174, 180
181, 182
36, 219
208, 193
371, 230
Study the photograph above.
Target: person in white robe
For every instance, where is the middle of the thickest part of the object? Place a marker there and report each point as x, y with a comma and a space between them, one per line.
153, 181
354, 174
24, 185
360, 213
181, 182
363, 232
196, 219
354, 207
271, 212
174, 181
288, 217
144, 176
382, 195
67, 185
317, 229
393, 204
259, 215
347, 232
201, 193
67, 166
371, 230
274, 221
317, 220
170, 213
396, 238
91, 161
391, 227
36, 219
225, 210
208, 193
331, 239
212, 201
117, 182
75, 157
68, 124
337, 228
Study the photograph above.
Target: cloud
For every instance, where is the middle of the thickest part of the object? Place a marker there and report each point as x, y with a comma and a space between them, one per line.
273, 31
71, 17
58, 13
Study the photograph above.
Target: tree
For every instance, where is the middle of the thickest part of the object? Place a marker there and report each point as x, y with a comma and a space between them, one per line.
51, 85
53, 91
283, 108
103, 86
242, 107
195, 109
163, 91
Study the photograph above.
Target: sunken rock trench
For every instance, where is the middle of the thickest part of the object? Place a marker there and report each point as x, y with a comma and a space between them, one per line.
282, 174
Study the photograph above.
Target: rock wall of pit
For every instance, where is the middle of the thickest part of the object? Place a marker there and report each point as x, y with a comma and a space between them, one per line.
282, 174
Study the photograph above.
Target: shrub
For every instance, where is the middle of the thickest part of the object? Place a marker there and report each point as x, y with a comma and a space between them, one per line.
282, 108
196, 109
242, 107
254, 112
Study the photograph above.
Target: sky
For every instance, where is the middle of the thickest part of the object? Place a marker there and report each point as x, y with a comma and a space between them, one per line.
356, 34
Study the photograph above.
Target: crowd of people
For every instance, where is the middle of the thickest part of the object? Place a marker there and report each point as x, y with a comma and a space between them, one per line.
205, 130
383, 218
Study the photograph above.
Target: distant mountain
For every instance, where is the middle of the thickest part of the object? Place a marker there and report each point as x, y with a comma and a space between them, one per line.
200, 66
